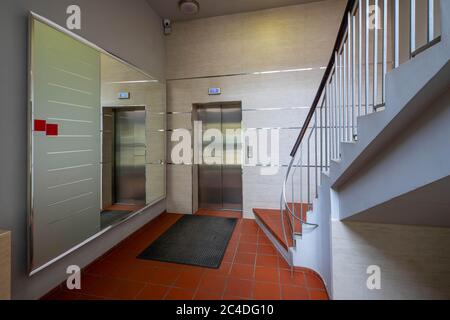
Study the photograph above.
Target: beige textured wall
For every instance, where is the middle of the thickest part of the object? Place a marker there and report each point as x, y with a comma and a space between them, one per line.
285, 38
5, 265
414, 261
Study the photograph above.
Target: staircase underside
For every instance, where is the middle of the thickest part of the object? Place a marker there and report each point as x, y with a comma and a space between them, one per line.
271, 218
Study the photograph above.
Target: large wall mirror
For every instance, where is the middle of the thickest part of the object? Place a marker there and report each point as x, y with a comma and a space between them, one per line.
97, 142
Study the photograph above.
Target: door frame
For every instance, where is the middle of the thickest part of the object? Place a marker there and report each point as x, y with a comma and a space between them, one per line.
195, 167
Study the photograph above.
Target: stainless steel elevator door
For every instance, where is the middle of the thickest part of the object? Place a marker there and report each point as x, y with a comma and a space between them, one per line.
220, 185
130, 150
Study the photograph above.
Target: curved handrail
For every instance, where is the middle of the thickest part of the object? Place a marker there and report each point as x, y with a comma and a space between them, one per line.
342, 87
284, 206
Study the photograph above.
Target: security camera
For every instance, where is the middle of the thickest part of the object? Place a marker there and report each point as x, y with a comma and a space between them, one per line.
167, 24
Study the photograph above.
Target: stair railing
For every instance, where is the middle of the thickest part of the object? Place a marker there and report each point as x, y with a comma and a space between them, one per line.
375, 36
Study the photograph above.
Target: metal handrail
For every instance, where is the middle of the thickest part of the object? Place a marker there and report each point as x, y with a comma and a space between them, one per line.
344, 94
329, 69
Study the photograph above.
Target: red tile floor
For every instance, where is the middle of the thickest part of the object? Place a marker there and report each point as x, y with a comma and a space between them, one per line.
251, 269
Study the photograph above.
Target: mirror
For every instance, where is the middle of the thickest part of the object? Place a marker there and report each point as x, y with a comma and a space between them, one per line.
97, 142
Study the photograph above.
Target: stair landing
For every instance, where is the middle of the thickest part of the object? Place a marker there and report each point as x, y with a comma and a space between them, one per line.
271, 218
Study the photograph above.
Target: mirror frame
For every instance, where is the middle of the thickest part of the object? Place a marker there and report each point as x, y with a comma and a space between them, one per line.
32, 268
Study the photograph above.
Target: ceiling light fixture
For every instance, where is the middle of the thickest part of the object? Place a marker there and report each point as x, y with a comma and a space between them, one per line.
189, 7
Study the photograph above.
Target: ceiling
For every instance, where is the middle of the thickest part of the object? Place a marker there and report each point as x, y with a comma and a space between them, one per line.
210, 8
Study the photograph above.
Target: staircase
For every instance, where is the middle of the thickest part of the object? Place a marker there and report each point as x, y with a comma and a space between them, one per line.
379, 79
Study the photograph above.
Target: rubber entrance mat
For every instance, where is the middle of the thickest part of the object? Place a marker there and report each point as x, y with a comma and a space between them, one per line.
193, 240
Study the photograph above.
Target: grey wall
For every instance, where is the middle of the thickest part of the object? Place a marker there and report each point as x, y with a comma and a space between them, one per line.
129, 29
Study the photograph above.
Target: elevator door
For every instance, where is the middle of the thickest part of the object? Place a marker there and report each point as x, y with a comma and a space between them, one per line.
130, 150
220, 184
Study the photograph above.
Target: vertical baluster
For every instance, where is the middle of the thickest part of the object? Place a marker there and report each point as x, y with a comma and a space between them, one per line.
345, 92
396, 33
340, 107
331, 113
336, 107
385, 48
375, 55
301, 179
334, 112
321, 114
327, 110
360, 46
352, 131
367, 54
316, 168
330, 119
348, 83
430, 20
412, 32
308, 168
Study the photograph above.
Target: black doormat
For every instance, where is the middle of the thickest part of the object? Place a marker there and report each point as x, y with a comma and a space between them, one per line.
193, 240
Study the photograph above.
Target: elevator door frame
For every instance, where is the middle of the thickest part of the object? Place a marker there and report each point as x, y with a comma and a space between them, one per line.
115, 109
196, 170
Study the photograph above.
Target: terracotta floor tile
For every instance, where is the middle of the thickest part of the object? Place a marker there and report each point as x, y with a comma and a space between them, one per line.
247, 247
267, 274
207, 296
313, 282
242, 271
180, 294
213, 284
98, 286
249, 229
239, 288
224, 270
318, 295
283, 264
189, 279
152, 292
164, 276
262, 239
100, 268
232, 246
266, 291
250, 269
229, 297
245, 258
229, 256
294, 293
128, 290
140, 273
267, 250
248, 238
292, 278
267, 261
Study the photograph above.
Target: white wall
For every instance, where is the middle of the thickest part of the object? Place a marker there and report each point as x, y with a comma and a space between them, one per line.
414, 261
285, 38
129, 29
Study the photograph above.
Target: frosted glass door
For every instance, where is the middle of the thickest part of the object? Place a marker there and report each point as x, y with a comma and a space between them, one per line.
65, 141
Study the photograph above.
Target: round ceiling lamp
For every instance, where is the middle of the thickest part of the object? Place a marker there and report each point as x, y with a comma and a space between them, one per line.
189, 7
